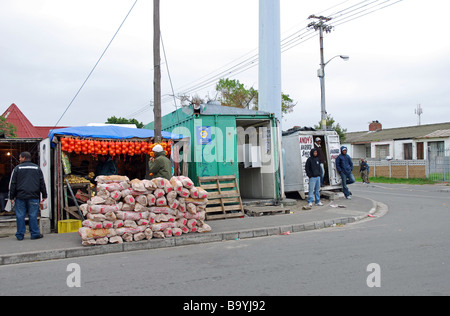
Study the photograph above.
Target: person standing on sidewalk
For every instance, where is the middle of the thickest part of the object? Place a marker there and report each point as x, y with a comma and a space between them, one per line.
314, 172
320, 154
364, 171
26, 186
344, 166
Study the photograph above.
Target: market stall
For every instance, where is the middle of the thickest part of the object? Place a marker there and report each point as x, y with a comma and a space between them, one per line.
79, 154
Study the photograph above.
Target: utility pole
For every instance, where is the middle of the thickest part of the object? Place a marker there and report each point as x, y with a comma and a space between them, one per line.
322, 27
157, 71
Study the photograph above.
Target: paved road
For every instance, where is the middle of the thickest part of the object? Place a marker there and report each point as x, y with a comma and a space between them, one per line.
410, 247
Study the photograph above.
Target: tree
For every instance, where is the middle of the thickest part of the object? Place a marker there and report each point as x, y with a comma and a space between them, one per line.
121, 120
337, 127
7, 129
234, 93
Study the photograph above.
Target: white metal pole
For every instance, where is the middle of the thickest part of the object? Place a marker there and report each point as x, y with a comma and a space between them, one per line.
269, 97
269, 89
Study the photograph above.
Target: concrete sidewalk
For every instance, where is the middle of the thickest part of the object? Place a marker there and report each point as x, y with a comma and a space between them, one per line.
62, 246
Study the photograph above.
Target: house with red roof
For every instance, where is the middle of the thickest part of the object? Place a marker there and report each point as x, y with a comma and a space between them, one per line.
25, 129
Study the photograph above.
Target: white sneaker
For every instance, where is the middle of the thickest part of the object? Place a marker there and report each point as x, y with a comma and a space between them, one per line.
319, 204
310, 204
349, 197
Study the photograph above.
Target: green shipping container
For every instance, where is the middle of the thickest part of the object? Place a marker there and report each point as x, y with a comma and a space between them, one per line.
230, 141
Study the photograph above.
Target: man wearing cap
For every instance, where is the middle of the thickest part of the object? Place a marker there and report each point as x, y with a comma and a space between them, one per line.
159, 166
321, 156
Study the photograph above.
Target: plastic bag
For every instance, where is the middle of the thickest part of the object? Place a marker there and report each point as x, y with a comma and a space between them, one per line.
92, 224
96, 217
103, 209
176, 184
112, 178
191, 208
141, 199
204, 228
159, 193
138, 236
187, 183
151, 199
148, 233
184, 192
193, 192
161, 201
137, 185
88, 233
116, 240
43, 205
202, 193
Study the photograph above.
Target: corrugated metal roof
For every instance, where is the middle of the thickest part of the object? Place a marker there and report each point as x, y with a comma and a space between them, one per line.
215, 109
388, 134
439, 134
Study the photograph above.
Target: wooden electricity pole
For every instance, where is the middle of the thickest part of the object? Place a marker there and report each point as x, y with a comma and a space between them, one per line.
322, 27
157, 71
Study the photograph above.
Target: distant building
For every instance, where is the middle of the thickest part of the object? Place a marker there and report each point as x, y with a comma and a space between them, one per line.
403, 143
25, 129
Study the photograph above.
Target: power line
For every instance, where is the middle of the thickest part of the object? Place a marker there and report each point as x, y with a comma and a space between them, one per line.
370, 12
168, 72
95, 66
244, 63
253, 61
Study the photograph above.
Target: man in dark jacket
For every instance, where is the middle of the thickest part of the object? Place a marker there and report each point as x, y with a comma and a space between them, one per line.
106, 167
314, 172
321, 155
27, 185
364, 171
160, 166
344, 166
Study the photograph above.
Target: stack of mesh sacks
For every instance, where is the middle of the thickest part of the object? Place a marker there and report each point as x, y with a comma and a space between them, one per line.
135, 210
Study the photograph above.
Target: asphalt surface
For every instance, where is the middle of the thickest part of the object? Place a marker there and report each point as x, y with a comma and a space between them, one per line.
334, 212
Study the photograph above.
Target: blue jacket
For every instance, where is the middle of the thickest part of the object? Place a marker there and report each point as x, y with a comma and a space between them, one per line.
344, 163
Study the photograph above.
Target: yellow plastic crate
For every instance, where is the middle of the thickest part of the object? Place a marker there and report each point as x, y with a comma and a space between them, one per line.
68, 226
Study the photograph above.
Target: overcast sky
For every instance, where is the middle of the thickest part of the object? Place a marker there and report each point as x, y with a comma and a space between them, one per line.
399, 58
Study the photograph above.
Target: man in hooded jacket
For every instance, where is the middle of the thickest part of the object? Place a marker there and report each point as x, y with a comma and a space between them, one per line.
314, 172
344, 166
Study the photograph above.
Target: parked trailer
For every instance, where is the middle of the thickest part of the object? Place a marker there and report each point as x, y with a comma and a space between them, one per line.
297, 145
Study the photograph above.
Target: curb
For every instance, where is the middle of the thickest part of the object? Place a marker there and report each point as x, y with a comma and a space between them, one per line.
180, 241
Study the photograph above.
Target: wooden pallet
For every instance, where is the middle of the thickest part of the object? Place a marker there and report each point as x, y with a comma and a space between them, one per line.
266, 210
224, 198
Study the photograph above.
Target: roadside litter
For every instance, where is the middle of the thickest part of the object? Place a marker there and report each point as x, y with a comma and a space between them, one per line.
338, 205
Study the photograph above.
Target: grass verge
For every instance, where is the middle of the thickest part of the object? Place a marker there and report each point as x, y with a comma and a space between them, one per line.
417, 181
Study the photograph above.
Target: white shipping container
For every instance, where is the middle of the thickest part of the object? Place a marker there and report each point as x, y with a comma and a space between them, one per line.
297, 145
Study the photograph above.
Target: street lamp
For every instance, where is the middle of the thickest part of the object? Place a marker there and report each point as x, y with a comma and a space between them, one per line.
321, 75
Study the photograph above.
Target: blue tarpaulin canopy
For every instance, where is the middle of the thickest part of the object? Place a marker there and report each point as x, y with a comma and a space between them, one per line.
109, 131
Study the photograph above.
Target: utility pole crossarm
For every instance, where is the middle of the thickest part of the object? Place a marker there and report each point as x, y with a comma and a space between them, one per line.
321, 24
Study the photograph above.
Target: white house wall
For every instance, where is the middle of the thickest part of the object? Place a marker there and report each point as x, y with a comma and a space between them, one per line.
426, 145
399, 149
396, 149
374, 145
